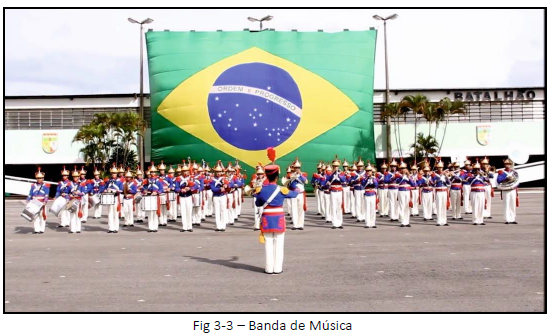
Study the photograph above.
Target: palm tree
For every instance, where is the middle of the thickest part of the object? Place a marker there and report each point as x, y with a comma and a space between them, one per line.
393, 111
416, 104
449, 108
424, 147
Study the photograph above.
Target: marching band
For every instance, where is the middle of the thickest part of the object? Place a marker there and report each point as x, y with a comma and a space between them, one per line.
192, 192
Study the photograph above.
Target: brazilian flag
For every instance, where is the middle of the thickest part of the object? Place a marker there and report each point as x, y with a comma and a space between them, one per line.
230, 95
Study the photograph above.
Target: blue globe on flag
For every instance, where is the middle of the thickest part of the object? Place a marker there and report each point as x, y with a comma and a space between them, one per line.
254, 106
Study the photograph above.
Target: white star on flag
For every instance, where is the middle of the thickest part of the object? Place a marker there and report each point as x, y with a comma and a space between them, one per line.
237, 105
287, 120
255, 124
217, 98
219, 115
268, 88
228, 125
235, 128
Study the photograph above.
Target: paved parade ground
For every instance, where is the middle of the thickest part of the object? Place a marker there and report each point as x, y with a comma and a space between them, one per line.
495, 267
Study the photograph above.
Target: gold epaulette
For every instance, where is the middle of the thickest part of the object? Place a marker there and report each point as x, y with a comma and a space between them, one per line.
258, 189
284, 190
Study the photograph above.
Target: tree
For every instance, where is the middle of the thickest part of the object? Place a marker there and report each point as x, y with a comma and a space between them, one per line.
449, 108
393, 111
424, 147
417, 104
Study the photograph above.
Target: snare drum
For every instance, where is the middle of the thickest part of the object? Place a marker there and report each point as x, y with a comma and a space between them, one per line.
72, 206
162, 198
172, 196
137, 198
196, 200
107, 198
58, 205
95, 200
32, 209
149, 203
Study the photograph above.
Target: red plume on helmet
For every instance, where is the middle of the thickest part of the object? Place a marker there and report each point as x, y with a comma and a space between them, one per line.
271, 154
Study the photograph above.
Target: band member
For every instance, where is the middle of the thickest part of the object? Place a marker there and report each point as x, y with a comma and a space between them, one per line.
439, 182
315, 184
171, 214
356, 180
140, 214
239, 194
196, 191
129, 191
209, 203
346, 188
39, 191
164, 202
478, 194
369, 182
510, 196
185, 186
178, 207
200, 211
232, 187
325, 186
335, 180
285, 182
95, 185
415, 191
63, 189
220, 187
273, 225
426, 192
153, 186
297, 182
77, 192
383, 198
86, 197
404, 200
466, 188
121, 172
393, 189
489, 192
456, 178
257, 181
113, 185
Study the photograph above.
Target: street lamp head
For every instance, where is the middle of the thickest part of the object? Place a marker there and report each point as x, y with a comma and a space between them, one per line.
267, 18
392, 17
251, 19
377, 17
132, 20
147, 21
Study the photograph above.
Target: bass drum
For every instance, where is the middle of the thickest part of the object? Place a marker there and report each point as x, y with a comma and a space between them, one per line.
58, 205
32, 209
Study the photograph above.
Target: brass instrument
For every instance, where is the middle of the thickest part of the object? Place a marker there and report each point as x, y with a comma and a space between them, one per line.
510, 183
249, 190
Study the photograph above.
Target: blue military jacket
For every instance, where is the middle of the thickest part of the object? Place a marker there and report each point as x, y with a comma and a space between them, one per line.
273, 215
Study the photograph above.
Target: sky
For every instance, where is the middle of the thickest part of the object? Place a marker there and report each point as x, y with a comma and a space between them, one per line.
96, 51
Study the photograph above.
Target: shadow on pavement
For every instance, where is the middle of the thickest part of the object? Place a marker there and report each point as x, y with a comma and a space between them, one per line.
231, 263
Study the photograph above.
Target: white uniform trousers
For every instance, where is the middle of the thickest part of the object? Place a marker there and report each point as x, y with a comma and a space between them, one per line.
427, 205
298, 214
75, 221
336, 205
230, 211
328, 207
173, 211
434, 205
414, 198
509, 198
196, 203
257, 216
455, 203
383, 202
478, 202
39, 222
317, 199
128, 209
441, 207
288, 204
98, 210
392, 204
209, 204
466, 198
153, 221
186, 209
360, 211
347, 199
239, 196
404, 211
487, 211
353, 203
140, 213
85, 206
121, 213
321, 200
114, 222
274, 251
202, 208
64, 218
220, 211
369, 203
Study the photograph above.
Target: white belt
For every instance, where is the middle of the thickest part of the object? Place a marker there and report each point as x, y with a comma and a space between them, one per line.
274, 210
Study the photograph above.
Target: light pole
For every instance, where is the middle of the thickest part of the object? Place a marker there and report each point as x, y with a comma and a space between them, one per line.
141, 113
387, 99
266, 18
